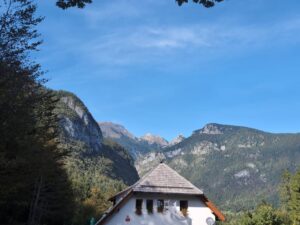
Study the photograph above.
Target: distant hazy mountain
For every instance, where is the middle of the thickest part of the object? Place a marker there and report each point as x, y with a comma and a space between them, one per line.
152, 139
237, 166
136, 146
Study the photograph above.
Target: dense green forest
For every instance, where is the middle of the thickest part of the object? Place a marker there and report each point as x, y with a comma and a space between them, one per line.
34, 187
46, 176
288, 213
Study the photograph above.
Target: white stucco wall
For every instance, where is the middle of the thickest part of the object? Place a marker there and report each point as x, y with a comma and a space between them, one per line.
198, 212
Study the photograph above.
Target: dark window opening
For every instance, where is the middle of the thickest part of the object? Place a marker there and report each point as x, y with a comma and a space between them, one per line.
138, 206
160, 205
149, 205
184, 207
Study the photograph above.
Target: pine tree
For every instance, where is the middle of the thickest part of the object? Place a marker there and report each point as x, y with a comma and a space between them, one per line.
285, 190
34, 188
294, 202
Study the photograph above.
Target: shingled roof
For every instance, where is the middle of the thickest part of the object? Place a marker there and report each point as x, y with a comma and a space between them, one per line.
161, 180
165, 180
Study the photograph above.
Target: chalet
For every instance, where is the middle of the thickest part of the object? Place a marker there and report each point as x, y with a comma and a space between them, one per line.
162, 197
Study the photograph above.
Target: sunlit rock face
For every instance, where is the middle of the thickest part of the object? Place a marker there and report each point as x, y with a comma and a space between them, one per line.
113, 130
154, 140
136, 146
78, 124
210, 129
177, 140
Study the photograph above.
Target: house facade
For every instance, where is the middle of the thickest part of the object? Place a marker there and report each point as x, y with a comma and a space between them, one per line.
162, 197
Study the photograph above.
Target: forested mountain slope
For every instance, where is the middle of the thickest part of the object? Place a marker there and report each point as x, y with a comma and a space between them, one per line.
237, 167
97, 168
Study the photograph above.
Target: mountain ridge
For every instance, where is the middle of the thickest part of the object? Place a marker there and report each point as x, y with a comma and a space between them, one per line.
136, 146
231, 162
235, 165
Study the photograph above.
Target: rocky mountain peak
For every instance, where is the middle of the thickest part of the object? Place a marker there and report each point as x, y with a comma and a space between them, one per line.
211, 128
177, 140
154, 139
113, 130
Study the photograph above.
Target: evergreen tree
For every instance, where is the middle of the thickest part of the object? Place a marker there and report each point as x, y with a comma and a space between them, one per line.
294, 201
264, 214
64, 4
285, 190
34, 188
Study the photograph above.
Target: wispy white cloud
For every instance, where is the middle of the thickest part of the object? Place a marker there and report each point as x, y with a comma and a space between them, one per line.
144, 44
155, 43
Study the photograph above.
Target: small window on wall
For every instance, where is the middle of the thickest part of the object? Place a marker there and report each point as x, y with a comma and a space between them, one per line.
138, 206
149, 205
184, 207
160, 205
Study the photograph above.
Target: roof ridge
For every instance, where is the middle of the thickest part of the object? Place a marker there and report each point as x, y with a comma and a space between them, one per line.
162, 178
190, 183
145, 176
133, 185
166, 180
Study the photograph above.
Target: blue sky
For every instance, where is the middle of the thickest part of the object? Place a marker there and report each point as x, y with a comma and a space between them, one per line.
156, 67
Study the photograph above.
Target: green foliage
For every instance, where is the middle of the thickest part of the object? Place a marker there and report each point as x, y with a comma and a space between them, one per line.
64, 4
285, 190
94, 180
205, 3
290, 196
294, 203
97, 170
264, 214
34, 187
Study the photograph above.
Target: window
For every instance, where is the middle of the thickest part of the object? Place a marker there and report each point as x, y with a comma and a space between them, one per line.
184, 207
160, 205
149, 205
138, 206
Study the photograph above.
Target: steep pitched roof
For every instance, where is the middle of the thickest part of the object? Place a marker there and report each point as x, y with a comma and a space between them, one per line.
163, 179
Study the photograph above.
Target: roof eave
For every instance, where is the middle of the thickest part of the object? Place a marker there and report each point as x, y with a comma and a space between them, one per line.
219, 215
115, 208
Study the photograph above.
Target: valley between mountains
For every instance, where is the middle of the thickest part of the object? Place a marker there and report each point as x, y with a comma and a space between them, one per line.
237, 167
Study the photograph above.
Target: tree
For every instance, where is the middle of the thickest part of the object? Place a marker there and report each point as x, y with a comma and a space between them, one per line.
205, 3
294, 202
34, 188
64, 4
264, 214
285, 190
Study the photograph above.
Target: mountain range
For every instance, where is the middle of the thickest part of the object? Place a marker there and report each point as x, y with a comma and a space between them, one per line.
237, 167
137, 146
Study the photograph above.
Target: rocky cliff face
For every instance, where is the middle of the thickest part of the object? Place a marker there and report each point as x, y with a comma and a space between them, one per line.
89, 151
237, 166
77, 123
